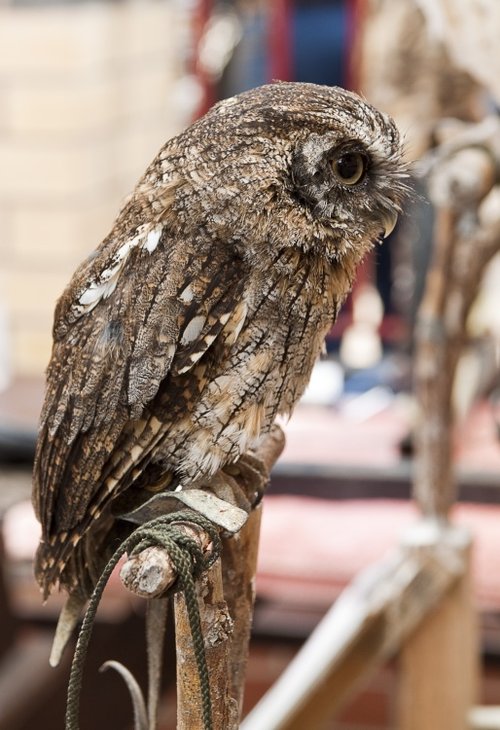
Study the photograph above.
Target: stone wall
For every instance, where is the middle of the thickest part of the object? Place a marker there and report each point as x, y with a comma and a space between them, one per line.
87, 97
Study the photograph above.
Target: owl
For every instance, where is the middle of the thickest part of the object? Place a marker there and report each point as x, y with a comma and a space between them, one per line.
198, 319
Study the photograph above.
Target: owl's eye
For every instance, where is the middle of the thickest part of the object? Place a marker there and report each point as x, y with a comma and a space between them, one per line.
350, 167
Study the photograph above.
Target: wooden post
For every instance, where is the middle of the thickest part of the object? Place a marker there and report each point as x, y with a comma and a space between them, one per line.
217, 629
239, 565
370, 620
439, 664
239, 568
440, 661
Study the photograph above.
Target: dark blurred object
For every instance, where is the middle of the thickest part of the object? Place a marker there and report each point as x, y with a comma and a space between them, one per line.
20, 406
321, 41
7, 621
16, 446
33, 694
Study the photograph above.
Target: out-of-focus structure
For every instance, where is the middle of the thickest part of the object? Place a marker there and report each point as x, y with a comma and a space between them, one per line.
405, 68
89, 94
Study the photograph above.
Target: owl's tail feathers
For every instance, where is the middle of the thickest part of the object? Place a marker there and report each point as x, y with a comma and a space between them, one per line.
74, 561
50, 572
50, 563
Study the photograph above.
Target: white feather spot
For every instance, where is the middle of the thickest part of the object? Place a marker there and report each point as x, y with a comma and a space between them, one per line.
111, 272
106, 282
139, 235
96, 292
125, 249
109, 288
195, 356
210, 339
92, 294
193, 329
186, 296
152, 239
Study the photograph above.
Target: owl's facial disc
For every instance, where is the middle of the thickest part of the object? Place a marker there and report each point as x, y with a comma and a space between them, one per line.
344, 184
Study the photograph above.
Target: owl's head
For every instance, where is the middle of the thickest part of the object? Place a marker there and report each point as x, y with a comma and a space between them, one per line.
351, 172
321, 164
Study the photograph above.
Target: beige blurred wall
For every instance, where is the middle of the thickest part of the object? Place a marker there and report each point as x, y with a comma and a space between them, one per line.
87, 97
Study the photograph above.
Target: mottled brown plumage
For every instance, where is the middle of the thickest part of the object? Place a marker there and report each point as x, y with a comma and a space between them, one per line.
199, 318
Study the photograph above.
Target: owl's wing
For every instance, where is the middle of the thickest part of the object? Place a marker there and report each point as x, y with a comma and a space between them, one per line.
153, 307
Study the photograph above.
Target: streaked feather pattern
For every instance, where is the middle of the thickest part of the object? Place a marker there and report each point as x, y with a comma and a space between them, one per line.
199, 318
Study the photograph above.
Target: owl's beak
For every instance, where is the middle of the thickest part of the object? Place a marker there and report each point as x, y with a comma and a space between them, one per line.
389, 220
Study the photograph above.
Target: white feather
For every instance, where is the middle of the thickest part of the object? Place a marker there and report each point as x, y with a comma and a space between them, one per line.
186, 296
105, 283
92, 294
193, 329
152, 239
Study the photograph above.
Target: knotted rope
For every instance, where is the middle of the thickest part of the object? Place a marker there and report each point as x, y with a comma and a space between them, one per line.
189, 562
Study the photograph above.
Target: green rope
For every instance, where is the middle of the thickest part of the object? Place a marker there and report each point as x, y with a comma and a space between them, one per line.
189, 562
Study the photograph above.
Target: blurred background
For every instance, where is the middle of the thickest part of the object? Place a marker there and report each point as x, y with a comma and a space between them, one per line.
89, 91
